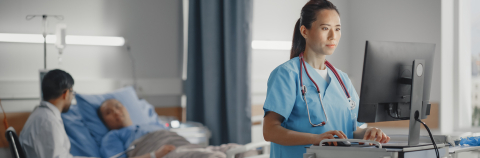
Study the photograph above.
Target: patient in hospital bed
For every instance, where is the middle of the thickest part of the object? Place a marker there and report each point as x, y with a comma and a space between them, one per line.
149, 140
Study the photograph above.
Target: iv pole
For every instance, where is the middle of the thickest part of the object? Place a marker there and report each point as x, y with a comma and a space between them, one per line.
45, 24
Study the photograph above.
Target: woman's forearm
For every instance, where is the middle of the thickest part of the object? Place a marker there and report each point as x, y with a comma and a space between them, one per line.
274, 132
283, 136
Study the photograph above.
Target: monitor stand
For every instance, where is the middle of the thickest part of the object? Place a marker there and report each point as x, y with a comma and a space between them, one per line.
416, 100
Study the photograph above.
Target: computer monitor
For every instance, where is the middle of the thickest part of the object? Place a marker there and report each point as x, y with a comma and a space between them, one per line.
396, 83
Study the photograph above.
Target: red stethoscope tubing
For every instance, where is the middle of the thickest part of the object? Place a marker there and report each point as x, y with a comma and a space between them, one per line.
302, 62
304, 89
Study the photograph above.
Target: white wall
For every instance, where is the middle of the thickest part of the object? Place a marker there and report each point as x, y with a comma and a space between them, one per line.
274, 21
405, 21
152, 28
408, 21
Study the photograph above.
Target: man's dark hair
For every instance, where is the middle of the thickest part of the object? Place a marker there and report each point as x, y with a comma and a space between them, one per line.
55, 83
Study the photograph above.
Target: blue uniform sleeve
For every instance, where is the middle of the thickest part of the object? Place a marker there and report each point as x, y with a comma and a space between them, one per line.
281, 92
111, 145
355, 98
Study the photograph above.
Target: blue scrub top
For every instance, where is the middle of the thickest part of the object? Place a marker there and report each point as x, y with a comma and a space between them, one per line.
284, 97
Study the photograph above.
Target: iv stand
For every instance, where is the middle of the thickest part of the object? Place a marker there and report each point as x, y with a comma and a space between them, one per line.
45, 24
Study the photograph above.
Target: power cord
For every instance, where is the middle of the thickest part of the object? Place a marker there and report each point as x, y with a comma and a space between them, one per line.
129, 50
429, 133
395, 112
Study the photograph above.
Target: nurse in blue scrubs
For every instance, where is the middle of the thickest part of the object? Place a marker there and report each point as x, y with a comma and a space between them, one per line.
288, 123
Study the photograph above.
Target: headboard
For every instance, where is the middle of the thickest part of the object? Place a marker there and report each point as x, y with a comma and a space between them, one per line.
16, 120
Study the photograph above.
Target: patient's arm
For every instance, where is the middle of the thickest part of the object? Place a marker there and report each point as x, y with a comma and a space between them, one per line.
112, 144
159, 153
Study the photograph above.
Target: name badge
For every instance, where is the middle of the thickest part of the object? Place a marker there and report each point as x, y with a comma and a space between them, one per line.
352, 103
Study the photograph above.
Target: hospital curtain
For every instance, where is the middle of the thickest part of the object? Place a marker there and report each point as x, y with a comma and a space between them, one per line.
218, 72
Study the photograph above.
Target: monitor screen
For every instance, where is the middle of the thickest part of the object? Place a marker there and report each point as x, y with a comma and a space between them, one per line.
386, 80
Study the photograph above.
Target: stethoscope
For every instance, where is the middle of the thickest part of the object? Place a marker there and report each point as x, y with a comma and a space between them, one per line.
304, 89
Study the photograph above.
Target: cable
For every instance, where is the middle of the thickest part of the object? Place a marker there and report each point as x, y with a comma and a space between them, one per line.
431, 137
396, 113
400, 118
129, 50
5, 122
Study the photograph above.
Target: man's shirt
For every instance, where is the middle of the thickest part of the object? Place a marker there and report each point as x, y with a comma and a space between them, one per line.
43, 135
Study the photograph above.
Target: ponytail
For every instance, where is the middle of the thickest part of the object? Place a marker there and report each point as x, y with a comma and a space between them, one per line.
307, 16
298, 42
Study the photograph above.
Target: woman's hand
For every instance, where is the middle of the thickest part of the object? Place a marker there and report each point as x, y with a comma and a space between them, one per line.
376, 134
329, 135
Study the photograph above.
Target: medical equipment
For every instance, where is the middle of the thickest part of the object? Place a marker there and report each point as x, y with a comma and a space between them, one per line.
304, 89
123, 152
396, 84
387, 150
60, 40
342, 142
45, 26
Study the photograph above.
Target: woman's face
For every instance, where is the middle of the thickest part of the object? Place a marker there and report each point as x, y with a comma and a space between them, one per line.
324, 33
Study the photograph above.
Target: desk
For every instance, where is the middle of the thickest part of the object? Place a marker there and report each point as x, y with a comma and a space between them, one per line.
369, 152
463, 151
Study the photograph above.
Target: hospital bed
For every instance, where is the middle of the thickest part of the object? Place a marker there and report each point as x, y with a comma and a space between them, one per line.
83, 118
83, 144
258, 144
251, 146
193, 134
20, 118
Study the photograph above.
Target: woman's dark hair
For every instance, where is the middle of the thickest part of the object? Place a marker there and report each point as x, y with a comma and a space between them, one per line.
55, 83
307, 17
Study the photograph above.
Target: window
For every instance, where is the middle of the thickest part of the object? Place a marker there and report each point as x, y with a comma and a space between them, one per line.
475, 56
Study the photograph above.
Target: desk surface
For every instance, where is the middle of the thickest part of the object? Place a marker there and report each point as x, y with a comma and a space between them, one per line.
458, 149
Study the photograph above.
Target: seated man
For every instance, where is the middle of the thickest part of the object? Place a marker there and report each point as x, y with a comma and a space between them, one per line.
150, 141
43, 135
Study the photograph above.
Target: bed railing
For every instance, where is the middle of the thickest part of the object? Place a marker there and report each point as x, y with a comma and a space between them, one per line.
250, 146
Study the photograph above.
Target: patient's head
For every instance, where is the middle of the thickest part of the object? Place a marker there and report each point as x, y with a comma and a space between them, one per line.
114, 115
